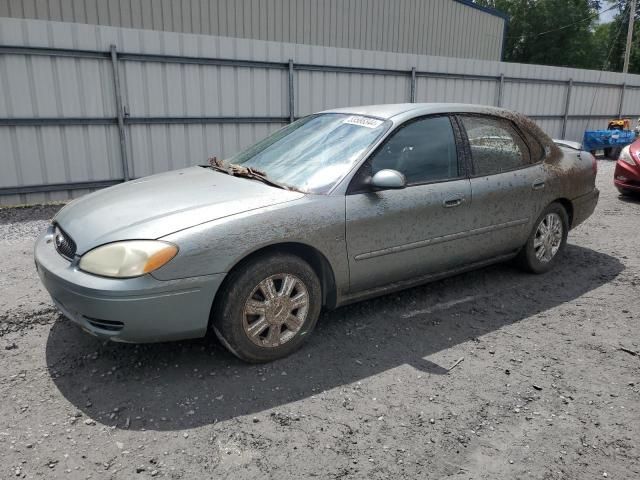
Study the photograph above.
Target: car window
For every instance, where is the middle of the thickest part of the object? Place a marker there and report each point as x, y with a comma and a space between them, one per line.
423, 150
495, 145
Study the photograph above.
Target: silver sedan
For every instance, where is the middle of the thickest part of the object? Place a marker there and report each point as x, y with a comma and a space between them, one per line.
336, 207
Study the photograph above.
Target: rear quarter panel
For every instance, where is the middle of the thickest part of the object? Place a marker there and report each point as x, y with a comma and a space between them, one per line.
569, 175
570, 172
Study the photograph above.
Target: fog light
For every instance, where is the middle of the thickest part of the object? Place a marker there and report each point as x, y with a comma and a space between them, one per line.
622, 178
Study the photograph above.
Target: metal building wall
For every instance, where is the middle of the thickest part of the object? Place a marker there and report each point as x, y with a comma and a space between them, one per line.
429, 27
191, 96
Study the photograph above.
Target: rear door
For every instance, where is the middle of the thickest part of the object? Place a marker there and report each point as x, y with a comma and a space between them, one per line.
507, 184
396, 235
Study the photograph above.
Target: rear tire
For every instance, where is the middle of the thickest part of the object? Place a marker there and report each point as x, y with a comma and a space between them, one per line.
267, 307
546, 242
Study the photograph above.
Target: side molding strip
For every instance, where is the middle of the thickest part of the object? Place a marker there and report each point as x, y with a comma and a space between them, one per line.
443, 238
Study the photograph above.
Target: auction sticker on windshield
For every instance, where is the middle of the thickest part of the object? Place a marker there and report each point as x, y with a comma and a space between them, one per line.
364, 121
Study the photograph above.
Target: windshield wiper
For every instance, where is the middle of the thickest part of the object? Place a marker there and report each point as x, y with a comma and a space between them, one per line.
245, 172
248, 172
217, 165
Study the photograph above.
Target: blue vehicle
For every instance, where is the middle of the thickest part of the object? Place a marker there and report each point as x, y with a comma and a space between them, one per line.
611, 141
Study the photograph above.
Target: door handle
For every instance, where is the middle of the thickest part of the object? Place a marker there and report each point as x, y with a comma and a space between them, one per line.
538, 185
453, 202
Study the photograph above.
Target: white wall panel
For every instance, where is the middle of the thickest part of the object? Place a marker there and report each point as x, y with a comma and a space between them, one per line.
587, 100
535, 99
456, 90
631, 102
158, 148
37, 86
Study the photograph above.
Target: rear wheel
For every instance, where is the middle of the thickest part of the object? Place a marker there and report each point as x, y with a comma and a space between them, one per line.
267, 307
547, 241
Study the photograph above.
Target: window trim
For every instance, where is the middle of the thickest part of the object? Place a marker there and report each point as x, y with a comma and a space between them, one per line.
355, 187
524, 132
517, 130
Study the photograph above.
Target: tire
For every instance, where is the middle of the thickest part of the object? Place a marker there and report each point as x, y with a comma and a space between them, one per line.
256, 319
614, 153
528, 258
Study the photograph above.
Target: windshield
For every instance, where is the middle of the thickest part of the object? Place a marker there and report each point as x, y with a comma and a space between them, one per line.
313, 153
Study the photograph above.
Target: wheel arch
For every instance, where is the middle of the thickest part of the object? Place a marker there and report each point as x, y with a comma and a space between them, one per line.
568, 207
316, 259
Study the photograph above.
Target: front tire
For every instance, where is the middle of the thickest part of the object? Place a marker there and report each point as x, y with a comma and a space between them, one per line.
547, 240
267, 307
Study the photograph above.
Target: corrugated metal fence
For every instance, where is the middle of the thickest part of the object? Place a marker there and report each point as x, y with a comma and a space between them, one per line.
452, 28
85, 106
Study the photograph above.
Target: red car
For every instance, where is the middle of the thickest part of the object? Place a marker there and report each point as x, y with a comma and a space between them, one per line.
627, 174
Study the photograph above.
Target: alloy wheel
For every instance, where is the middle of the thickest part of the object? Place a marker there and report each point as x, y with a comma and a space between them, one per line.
548, 238
276, 310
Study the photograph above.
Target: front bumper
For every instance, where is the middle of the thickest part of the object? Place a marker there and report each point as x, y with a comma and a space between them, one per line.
626, 177
584, 206
141, 309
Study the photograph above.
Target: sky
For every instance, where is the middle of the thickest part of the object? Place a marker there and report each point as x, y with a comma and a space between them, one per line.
607, 16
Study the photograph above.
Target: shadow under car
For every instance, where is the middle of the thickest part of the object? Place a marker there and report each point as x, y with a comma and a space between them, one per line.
174, 386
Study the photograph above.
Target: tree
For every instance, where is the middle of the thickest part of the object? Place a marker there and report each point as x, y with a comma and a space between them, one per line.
551, 32
601, 41
616, 38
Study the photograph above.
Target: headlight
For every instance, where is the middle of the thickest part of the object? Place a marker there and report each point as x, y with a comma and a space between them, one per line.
625, 156
127, 259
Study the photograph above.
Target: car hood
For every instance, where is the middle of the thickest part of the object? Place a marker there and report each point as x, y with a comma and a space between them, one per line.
155, 206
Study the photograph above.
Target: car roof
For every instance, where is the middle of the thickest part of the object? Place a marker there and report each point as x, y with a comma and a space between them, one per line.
407, 110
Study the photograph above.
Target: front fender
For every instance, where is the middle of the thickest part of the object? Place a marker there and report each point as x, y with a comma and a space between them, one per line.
317, 221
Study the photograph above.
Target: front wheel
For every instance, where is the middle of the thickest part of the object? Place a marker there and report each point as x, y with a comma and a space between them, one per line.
547, 241
267, 307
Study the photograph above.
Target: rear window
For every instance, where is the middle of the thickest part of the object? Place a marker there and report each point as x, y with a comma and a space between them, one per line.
495, 145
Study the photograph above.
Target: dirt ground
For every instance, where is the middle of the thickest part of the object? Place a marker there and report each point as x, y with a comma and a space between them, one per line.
548, 386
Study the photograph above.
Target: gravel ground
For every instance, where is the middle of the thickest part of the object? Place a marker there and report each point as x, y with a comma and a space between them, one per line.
545, 381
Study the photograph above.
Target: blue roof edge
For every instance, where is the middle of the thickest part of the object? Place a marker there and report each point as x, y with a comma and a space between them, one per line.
489, 10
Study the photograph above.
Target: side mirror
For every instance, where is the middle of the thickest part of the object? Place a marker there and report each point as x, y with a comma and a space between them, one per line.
388, 179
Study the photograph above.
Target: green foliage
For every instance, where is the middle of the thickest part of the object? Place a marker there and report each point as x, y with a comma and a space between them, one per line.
567, 33
616, 38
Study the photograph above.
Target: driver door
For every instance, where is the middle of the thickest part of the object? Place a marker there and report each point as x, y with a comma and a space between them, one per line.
396, 235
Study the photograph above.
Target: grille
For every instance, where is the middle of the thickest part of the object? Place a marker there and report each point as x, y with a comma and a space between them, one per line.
64, 243
109, 325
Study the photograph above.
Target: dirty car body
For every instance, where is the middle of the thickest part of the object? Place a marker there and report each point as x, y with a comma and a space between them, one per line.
459, 187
